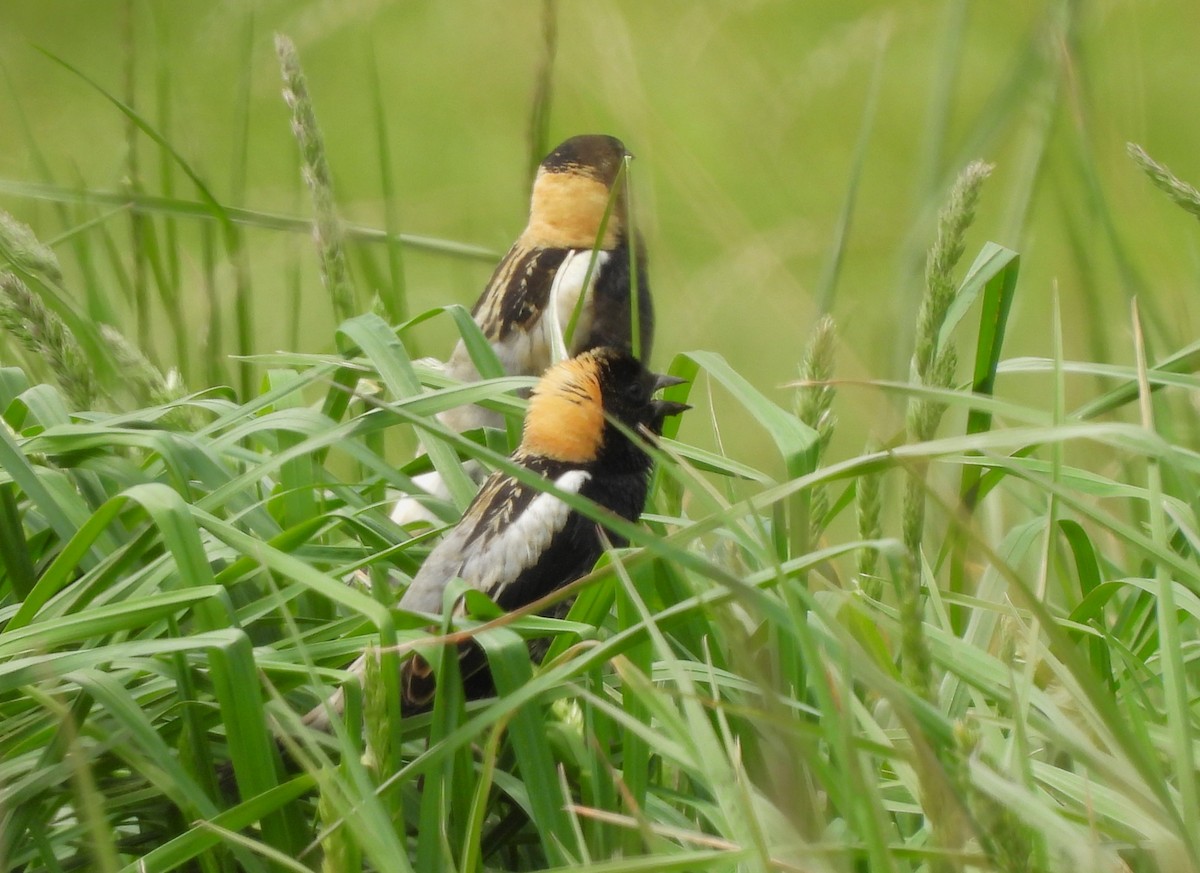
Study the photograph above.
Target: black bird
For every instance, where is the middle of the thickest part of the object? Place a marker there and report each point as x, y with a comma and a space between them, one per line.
517, 543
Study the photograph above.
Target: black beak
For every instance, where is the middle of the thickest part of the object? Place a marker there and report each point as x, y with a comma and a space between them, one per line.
662, 380
664, 408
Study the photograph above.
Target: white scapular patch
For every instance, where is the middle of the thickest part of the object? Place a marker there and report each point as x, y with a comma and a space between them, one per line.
409, 510
564, 297
489, 558
517, 547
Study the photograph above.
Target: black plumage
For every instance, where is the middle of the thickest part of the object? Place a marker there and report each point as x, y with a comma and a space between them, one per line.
518, 543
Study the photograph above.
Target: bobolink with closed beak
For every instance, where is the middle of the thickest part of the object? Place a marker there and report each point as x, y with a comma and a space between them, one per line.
534, 291
517, 543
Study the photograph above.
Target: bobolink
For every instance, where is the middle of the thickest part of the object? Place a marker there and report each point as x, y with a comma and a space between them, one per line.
544, 273
517, 543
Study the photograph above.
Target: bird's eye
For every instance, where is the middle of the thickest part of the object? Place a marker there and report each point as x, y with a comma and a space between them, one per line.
637, 393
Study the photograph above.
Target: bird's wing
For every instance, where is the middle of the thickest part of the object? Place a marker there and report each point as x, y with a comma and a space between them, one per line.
525, 523
512, 304
503, 533
508, 313
516, 296
527, 322
445, 562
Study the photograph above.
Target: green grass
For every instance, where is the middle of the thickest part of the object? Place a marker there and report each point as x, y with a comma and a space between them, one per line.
970, 645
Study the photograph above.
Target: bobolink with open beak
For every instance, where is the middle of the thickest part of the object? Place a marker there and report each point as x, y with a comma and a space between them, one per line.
536, 287
517, 543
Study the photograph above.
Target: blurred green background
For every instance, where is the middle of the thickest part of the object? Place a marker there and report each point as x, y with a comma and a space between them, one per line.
761, 129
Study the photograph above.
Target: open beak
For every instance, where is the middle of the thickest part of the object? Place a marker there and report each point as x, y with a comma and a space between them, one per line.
665, 408
662, 380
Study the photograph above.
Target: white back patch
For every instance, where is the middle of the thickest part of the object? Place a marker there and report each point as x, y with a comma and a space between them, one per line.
564, 297
519, 545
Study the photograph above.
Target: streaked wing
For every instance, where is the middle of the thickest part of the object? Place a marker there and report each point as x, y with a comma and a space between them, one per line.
516, 530
504, 534
448, 559
518, 291
510, 315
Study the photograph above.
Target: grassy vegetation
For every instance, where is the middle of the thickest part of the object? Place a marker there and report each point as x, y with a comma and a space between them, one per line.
969, 645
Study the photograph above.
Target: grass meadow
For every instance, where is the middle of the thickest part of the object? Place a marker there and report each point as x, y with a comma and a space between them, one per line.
917, 587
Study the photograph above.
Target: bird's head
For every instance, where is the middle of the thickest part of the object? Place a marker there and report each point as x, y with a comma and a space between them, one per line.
573, 407
571, 192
